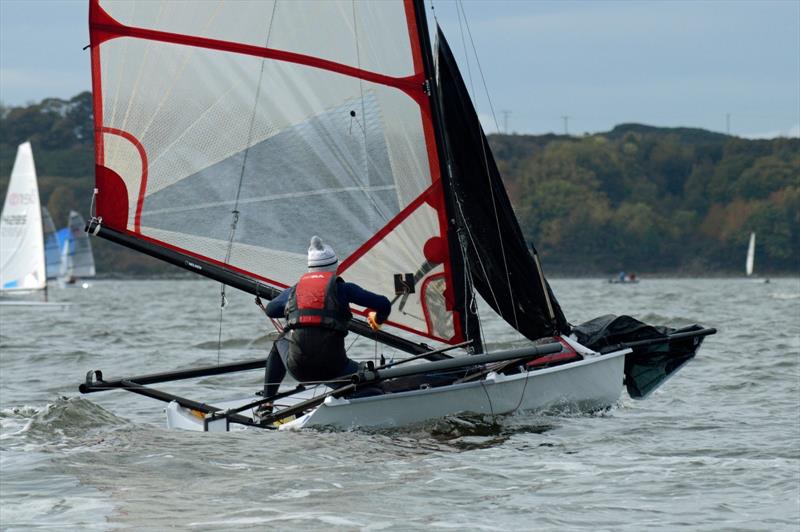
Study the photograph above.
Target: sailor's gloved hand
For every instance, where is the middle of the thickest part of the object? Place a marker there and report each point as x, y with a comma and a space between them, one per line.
372, 319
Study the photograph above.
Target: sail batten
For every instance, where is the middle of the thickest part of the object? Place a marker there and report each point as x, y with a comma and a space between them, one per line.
212, 145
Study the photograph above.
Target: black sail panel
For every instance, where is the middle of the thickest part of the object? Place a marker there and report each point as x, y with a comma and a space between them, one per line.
502, 269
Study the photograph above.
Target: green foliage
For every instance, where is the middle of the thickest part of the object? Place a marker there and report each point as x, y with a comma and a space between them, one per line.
637, 198
655, 199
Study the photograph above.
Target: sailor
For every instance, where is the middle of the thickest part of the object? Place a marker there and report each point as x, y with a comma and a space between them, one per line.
317, 311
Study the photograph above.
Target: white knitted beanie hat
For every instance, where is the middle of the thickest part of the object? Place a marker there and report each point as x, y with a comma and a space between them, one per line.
321, 257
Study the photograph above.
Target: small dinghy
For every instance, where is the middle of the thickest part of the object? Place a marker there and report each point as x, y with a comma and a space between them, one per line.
23, 227
226, 137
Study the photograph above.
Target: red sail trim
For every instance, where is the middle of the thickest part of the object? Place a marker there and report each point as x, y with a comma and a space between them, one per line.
430, 143
423, 101
104, 27
425, 197
433, 196
112, 198
137, 218
97, 93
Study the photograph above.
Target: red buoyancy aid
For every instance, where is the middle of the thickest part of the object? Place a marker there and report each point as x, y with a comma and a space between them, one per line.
314, 302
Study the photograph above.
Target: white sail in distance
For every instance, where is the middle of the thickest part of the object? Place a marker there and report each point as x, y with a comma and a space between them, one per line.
751, 253
22, 262
77, 260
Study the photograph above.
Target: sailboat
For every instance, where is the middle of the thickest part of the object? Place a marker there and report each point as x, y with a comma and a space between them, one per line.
77, 260
751, 254
227, 136
52, 249
23, 275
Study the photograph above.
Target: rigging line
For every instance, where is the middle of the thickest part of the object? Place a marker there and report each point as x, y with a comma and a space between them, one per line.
367, 158
524, 387
477, 254
250, 130
219, 333
488, 397
460, 5
356, 339
361, 89
235, 211
469, 288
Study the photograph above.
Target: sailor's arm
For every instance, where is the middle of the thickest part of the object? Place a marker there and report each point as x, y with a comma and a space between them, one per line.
276, 307
358, 296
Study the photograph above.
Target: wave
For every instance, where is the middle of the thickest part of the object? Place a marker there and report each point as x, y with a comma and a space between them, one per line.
65, 419
785, 295
238, 343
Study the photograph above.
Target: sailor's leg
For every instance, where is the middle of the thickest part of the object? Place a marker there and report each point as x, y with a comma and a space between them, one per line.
275, 369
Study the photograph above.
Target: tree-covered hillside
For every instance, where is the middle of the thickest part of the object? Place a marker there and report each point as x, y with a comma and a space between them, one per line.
655, 199
638, 198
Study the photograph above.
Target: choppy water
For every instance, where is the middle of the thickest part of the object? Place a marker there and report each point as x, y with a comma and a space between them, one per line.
717, 448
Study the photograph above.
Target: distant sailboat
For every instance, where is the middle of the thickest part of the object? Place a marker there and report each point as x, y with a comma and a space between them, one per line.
22, 244
52, 247
751, 252
22, 265
77, 260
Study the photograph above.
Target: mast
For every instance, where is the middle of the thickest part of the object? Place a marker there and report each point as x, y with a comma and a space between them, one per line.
464, 301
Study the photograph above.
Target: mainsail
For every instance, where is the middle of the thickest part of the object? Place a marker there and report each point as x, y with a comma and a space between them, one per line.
22, 265
227, 135
502, 269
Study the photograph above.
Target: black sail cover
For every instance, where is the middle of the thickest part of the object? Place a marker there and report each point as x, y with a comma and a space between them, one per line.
503, 270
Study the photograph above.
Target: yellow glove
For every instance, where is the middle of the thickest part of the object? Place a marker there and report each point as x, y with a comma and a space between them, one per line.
372, 319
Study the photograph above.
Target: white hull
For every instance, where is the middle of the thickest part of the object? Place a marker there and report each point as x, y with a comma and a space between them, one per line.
590, 384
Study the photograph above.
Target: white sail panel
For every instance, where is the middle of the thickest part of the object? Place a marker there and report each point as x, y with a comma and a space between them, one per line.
22, 264
751, 254
368, 35
237, 157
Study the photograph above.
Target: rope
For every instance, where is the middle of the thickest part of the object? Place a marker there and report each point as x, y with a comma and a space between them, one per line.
235, 211
356, 339
469, 288
524, 387
488, 398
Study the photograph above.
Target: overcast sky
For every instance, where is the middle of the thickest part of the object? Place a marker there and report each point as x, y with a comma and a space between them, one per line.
667, 63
